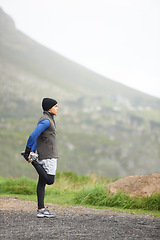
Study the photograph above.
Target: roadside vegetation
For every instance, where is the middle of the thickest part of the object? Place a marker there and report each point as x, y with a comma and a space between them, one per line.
73, 189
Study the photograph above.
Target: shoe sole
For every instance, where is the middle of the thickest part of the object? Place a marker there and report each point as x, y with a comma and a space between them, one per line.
47, 216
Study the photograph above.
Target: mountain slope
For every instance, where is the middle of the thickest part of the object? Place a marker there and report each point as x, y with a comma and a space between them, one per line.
104, 127
70, 80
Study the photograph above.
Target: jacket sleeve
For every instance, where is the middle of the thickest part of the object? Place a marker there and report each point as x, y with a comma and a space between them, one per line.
41, 127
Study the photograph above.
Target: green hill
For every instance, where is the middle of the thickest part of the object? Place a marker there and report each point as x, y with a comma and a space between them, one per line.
104, 127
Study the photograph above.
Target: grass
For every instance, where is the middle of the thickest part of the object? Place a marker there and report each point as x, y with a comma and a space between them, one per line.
98, 195
22, 186
71, 189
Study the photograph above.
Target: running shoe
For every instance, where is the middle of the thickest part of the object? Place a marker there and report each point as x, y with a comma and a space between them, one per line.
45, 213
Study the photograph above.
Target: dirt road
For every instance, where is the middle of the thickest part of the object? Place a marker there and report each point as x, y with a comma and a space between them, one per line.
18, 221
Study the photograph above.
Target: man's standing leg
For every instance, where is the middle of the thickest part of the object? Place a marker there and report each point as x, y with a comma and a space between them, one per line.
41, 192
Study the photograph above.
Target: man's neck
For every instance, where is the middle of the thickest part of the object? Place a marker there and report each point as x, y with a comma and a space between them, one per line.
49, 113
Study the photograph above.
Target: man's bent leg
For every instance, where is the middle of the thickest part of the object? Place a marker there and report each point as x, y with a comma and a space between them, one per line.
40, 170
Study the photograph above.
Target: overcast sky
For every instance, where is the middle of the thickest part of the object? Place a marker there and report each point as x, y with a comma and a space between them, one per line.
119, 39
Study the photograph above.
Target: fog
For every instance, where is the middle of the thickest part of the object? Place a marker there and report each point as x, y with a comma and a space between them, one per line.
118, 39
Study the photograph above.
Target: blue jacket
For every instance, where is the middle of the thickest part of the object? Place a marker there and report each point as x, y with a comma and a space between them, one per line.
41, 127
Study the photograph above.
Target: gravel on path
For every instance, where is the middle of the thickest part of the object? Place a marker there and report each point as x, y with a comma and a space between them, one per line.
18, 221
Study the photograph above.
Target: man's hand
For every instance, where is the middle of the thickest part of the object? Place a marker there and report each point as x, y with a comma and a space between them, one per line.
30, 158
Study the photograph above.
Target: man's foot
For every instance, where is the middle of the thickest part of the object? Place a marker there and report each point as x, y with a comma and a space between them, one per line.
45, 213
32, 156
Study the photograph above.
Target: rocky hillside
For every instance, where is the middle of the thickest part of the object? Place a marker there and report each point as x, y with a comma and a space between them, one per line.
104, 127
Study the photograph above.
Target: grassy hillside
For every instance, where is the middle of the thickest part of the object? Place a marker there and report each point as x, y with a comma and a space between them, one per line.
103, 126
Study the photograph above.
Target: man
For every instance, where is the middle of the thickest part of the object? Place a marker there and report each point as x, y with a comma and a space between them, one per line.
44, 140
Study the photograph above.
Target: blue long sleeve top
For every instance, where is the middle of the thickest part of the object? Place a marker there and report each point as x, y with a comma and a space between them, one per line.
41, 127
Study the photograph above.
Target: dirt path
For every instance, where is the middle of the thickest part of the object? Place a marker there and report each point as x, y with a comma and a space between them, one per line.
18, 221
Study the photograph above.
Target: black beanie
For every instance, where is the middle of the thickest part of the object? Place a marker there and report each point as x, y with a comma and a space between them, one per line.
48, 103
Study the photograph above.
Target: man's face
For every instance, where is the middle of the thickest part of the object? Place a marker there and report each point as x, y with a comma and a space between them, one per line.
54, 109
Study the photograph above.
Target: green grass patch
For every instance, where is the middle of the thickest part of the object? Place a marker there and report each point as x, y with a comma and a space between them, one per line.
71, 189
98, 195
23, 186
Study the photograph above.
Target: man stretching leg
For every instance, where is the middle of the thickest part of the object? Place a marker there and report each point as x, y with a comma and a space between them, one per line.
44, 140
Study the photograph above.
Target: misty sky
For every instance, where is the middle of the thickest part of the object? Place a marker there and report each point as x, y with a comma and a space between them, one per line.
119, 39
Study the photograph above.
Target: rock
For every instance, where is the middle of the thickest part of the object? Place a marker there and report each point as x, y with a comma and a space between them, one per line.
138, 185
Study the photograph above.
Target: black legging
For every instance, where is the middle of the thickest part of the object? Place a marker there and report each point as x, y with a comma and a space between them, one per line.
44, 179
